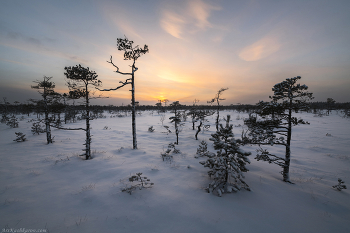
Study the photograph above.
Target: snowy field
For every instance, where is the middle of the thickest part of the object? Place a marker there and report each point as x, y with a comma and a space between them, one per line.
50, 187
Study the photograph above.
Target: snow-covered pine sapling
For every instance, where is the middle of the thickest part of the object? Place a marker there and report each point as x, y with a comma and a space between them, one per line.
272, 123
172, 147
340, 185
228, 164
12, 122
37, 129
167, 155
137, 181
202, 150
20, 137
151, 129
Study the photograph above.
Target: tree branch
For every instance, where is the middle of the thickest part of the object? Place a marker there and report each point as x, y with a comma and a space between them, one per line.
113, 89
117, 71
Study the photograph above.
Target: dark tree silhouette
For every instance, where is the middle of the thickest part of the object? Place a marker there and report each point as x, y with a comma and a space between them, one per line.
330, 105
46, 89
176, 119
273, 122
217, 100
130, 53
78, 81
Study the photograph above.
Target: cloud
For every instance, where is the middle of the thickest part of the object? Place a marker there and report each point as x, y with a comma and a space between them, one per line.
194, 15
260, 49
172, 23
120, 18
200, 11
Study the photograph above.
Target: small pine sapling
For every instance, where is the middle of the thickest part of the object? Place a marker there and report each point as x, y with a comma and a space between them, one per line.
167, 155
172, 146
4, 118
340, 185
202, 150
37, 129
20, 137
137, 181
12, 122
228, 164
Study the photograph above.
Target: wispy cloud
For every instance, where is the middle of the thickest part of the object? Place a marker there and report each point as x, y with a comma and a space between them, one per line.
200, 11
172, 23
260, 49
192, 17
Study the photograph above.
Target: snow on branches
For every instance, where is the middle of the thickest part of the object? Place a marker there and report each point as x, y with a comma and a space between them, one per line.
228, 164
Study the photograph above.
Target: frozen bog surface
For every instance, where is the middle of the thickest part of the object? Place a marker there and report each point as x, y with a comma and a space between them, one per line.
50, 187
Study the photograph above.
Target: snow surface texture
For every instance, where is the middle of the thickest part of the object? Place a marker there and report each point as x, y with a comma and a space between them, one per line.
49, 186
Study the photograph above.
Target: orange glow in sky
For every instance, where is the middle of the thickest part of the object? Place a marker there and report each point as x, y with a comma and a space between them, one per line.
196, 47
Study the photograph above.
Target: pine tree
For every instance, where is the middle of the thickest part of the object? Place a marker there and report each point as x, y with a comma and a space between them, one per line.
130, 53
228, 164
46, 89
78, 81
202, 150
217, 100
272, 124
176, 119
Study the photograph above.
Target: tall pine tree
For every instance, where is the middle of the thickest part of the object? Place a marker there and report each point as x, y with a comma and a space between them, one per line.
272, 124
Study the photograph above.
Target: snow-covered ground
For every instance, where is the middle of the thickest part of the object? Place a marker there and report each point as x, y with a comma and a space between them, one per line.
51, 187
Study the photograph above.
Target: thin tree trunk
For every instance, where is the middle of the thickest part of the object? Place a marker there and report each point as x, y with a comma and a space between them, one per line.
288, 152
134, 142
199, 129
47, 123
218, 116
87, 118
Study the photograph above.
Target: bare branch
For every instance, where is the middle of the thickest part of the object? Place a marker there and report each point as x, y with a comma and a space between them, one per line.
117, 71
127, 81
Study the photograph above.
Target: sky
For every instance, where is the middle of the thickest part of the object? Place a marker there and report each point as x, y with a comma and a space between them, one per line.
196, 47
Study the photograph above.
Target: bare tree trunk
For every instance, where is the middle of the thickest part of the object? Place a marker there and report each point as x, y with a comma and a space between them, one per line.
288, 152
47, 122
134, 142
87, 118
218, 115
199, 129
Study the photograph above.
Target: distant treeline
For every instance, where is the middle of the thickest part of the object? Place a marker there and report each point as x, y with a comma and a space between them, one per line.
59, 107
